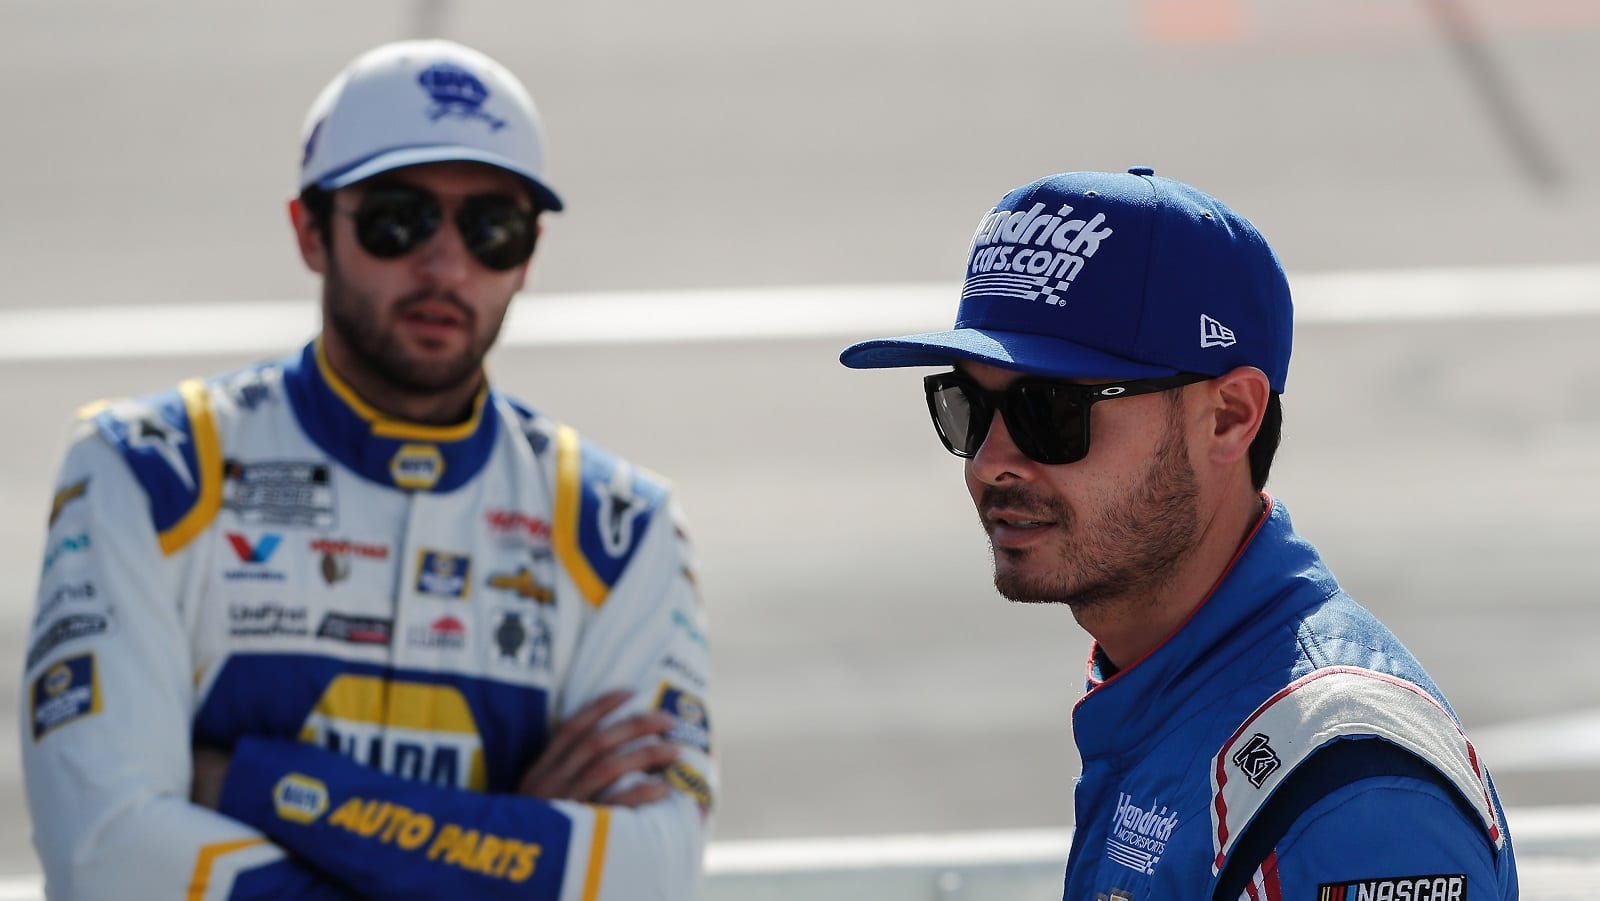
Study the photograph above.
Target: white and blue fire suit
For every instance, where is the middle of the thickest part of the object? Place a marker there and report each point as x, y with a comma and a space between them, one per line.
382, 623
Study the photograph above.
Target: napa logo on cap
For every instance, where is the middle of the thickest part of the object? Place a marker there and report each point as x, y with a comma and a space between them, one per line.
1033, 254
299, 798
416, 466
455, 91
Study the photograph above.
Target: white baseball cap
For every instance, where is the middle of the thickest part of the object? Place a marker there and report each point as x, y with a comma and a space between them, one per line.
414, 102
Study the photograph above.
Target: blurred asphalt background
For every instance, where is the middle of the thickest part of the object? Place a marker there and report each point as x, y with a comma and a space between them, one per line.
868, 678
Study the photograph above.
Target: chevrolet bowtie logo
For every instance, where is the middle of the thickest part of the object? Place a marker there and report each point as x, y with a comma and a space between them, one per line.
523, 583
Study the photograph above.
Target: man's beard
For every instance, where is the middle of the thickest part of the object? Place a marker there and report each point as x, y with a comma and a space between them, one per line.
355, 317
1130, 551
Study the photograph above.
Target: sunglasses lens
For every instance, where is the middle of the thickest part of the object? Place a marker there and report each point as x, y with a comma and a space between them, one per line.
1049, 422
498, 232
391, 221
961, 415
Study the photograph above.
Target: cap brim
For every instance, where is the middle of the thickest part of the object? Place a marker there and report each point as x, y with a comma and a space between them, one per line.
443, 153
1034, 354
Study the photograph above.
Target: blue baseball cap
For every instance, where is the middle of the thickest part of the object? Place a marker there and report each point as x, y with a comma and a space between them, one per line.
1110, 275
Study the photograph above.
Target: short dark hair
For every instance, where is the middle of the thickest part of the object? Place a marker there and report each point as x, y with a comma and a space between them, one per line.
1265, 445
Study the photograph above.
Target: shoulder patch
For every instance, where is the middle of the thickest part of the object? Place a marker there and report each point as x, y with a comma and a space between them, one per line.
1328, 704
603, 509
170, 442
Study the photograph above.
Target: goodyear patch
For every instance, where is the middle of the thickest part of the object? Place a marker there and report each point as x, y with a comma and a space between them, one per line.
67, 691
496, 856
299, 798
693, 726
1397, 888
443, 575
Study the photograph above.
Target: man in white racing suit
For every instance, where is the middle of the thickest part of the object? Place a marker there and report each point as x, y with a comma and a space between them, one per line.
354, 623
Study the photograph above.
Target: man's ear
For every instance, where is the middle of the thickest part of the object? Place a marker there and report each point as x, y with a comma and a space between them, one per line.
1239, 401
308, 236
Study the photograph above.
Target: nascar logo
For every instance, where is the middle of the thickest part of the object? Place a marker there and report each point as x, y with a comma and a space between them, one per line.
1404, 888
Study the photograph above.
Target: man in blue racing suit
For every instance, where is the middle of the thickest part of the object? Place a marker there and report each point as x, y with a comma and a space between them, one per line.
353, 623
1249, 731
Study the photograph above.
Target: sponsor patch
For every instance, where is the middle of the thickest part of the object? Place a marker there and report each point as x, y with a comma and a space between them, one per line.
678, 667
693, 726
299, 798
279, 493
355, 629
1139, 835
416, 466
72, 544
1032, 254
524, 585
1114, 894
689, 780
67, 691
446, 633
416, 731
337, 553
1257, 759
464, 847
522, 637
1397, 888
518, 527
64, 629
254, 555
689, 626
66, 496
262, 620
443, 575
71, 593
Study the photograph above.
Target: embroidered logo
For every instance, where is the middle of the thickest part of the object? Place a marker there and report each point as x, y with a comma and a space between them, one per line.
1031, 254
1139, 835
1414, 888
1257, 759
456, 92
1214, 333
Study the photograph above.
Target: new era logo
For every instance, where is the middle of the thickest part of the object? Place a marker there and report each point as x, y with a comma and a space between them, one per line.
1214, 333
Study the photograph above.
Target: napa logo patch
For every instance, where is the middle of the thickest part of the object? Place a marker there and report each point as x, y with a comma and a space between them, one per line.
442, 574
416, 466
1399, 888
67, 691
415, 730
693, 726
300, 799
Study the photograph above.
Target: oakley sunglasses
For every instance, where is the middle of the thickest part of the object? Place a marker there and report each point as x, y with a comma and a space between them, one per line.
1048, 418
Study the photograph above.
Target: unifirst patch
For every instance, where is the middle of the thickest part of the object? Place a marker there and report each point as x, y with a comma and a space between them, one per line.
67, 691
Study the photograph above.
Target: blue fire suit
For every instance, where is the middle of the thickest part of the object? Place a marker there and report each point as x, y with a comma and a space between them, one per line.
1280, 744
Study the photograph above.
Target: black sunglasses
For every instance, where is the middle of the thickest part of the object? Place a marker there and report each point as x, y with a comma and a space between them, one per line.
394, 219
1048, 419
